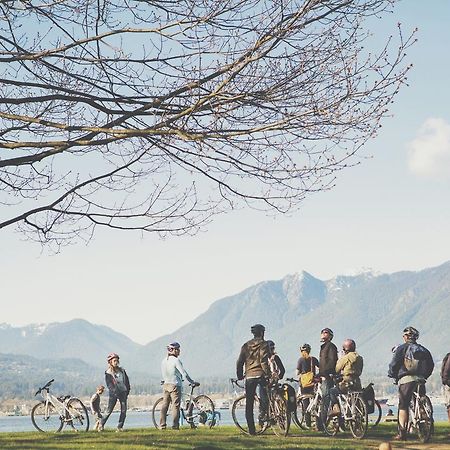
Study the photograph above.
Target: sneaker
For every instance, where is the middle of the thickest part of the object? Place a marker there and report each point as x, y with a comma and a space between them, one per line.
175, 427
399, 437
119, 430
162, 427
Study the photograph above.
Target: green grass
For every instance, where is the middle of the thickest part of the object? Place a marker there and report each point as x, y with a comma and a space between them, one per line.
222, 437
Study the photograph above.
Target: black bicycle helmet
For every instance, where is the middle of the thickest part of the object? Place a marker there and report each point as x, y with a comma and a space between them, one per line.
329, 331
305, 348
411, 333
258, 329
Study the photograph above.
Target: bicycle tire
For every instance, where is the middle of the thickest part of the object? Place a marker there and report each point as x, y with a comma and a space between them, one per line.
375, 417
238, 415
200, 411
425, 427
330, 421
281, 417
156, 413
358, 423
299, 416
79, 417
45, 418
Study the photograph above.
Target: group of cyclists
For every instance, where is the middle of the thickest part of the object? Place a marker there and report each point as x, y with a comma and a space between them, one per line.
261, 367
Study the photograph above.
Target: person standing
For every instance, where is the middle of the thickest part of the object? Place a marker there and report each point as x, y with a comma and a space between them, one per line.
254, 356
172, 372
118, 385
306, 372
276, 366
328, 357
445, 377
407, 379
95, 407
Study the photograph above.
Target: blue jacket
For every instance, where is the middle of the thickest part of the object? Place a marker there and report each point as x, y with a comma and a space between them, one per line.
397, 367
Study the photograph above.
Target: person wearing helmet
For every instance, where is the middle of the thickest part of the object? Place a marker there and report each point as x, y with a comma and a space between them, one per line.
328, 357
350, 367
172, 371
118, 385
409, 377
254, 356
306, 364
277, 369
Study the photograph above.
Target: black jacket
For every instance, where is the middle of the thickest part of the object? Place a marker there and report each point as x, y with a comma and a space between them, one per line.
327, 359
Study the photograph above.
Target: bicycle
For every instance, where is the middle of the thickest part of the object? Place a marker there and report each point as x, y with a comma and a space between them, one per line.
421, 415
54, 412
309, 406
352, 414
195, 411
277, 417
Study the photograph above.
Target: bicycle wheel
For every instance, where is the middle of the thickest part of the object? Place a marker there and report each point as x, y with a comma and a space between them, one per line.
425, 426
280, 417
201, 411
76, 415
300, 416
375, 417
238, 415
156, 413
45, 418
330, 420
358, 423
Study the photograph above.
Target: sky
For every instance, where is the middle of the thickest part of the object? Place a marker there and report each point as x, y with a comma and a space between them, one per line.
390, 213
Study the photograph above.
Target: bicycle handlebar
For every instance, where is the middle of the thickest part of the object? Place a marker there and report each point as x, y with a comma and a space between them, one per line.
47, 385
292, 380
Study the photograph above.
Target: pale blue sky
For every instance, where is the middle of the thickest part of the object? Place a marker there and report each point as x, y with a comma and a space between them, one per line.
390, 213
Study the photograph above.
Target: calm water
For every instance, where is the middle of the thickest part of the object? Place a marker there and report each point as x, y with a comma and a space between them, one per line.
143, 420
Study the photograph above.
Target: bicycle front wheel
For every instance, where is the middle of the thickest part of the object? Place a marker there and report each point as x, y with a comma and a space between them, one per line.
375, 417
76, 415
45, 418
358, 423
238, 415
281, 417
202, 411
425, 426
156, 413
302, 417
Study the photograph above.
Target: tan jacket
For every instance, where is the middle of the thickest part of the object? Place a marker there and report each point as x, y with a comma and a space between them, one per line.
351, 367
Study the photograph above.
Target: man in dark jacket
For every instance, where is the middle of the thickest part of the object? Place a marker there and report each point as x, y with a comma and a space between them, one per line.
255, 357
328, 357
445, 377
407, 380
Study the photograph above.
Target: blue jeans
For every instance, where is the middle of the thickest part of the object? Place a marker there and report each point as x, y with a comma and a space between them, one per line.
113, 397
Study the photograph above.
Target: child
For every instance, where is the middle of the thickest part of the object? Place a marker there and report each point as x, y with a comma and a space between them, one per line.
95, 407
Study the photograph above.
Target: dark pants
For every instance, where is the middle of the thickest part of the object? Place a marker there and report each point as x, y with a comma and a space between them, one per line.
250, 390
113, 397
405, 393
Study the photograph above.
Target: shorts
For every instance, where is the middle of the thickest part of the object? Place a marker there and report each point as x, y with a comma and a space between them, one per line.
447, 396
405, 393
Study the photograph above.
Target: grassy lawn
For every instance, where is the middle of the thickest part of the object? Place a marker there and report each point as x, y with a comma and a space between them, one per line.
223, 437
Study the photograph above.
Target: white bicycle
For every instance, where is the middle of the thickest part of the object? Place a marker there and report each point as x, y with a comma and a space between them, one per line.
53, 412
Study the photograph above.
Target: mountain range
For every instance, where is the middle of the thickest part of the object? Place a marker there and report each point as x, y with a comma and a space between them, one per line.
371, 308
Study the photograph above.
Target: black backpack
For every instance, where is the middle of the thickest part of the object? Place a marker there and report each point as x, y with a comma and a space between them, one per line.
368, 394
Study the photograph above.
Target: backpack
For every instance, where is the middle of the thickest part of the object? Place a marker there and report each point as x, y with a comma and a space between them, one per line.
368, 394
415, 359
290, 396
